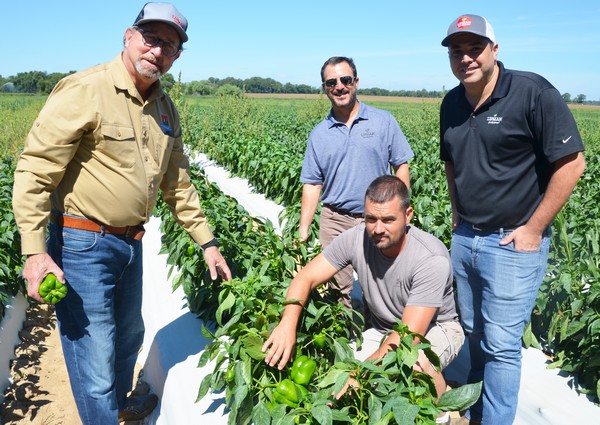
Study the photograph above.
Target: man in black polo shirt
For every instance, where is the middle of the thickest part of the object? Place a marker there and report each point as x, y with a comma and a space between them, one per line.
512, 156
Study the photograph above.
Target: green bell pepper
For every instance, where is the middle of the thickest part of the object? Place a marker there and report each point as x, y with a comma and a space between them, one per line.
289, 393
320, 339
303, 369
51, 289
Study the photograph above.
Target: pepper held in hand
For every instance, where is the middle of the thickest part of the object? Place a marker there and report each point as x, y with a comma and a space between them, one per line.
303, 370
52, 290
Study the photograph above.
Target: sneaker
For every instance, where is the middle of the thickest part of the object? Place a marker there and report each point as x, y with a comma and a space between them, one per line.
138, 407
445, 420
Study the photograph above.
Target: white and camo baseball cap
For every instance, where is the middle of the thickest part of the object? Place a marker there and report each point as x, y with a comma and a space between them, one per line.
166, 13
474, 24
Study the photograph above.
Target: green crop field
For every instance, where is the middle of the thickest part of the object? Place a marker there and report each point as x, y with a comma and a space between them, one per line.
262, 139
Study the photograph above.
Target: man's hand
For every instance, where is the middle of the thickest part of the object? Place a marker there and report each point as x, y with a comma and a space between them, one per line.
280, 344
303, 233
37, 266
216, 263
308, 206
524, 239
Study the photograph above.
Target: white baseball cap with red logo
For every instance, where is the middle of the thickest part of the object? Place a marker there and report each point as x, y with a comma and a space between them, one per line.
166, 13
473, 24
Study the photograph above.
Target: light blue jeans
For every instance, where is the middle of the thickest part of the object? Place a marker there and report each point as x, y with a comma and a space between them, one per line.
100, 320
496, 291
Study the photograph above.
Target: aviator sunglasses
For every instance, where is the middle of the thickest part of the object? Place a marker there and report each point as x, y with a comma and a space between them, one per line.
345, 80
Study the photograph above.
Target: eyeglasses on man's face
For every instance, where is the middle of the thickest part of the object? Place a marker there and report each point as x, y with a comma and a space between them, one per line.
346, 80
150, 40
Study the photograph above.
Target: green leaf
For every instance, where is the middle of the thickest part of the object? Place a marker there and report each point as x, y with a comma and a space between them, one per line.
261, 414
224, 306
204, 387
460, 398
322, 414
404, 412
330, 378
253, 347
529, 338
375, 409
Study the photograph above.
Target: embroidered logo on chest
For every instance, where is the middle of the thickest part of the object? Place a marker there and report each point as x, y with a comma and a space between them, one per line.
164, 125
367, 133
495, 119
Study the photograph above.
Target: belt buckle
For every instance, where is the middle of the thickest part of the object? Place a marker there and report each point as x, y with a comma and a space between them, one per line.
476, 228
135, 232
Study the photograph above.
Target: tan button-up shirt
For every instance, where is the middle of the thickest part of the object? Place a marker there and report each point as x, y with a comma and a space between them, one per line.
98, 150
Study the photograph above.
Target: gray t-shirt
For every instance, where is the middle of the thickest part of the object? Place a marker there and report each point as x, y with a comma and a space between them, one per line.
420, 276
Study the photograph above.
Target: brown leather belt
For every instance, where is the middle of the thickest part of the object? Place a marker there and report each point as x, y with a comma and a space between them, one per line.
80, 223
343, 212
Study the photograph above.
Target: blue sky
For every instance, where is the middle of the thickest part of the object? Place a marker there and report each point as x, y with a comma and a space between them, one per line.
395, 45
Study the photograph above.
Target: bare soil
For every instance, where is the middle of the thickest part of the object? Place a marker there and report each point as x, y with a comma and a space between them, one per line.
40, 393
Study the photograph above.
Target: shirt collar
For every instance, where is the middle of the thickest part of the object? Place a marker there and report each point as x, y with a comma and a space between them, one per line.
503, 83
500, 89
122, 81
363, 114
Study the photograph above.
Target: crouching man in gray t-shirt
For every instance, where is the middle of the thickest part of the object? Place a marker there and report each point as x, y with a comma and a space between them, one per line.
403, 271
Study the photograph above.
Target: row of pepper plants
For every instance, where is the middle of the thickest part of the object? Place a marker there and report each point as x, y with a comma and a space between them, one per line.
17, 115
266, 145
239, 315
11, 281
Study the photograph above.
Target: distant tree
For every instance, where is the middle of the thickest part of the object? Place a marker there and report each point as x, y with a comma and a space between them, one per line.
202, 88
306, 89
28, 82
46, 85
567, 97
290, 88
229, 90
580, 98
233, 81
167, 81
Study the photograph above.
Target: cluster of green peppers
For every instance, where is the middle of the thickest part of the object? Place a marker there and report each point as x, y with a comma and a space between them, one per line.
292, 391
51, 289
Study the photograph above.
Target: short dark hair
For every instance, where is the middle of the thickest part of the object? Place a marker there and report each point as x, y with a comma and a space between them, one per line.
334, 60
385, 188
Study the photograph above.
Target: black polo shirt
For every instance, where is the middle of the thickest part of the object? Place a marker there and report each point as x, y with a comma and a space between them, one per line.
503, 153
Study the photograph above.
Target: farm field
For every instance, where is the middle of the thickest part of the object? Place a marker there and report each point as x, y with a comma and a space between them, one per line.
263, 139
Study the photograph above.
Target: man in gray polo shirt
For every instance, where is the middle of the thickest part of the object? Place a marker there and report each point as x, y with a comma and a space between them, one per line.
404, 272
352, 146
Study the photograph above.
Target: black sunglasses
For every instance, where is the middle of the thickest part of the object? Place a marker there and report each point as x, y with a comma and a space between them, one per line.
151, 40
345, 80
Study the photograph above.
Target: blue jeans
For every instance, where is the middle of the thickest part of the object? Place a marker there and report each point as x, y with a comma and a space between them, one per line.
100, 320
496, 291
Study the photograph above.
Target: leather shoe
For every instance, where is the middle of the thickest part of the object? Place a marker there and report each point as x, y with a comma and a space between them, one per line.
138, 407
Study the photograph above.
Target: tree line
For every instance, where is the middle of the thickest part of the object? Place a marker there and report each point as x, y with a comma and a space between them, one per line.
39, 82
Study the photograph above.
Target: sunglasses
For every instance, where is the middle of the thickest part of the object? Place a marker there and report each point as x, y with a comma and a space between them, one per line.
150, 40
345, 80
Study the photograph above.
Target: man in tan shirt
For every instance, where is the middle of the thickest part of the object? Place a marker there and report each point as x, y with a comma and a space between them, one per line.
106, 141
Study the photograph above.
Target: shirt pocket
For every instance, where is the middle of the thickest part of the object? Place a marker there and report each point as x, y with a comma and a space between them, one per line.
163, 146
118, 144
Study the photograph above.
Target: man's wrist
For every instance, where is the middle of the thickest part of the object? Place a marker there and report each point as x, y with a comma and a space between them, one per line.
212, 242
